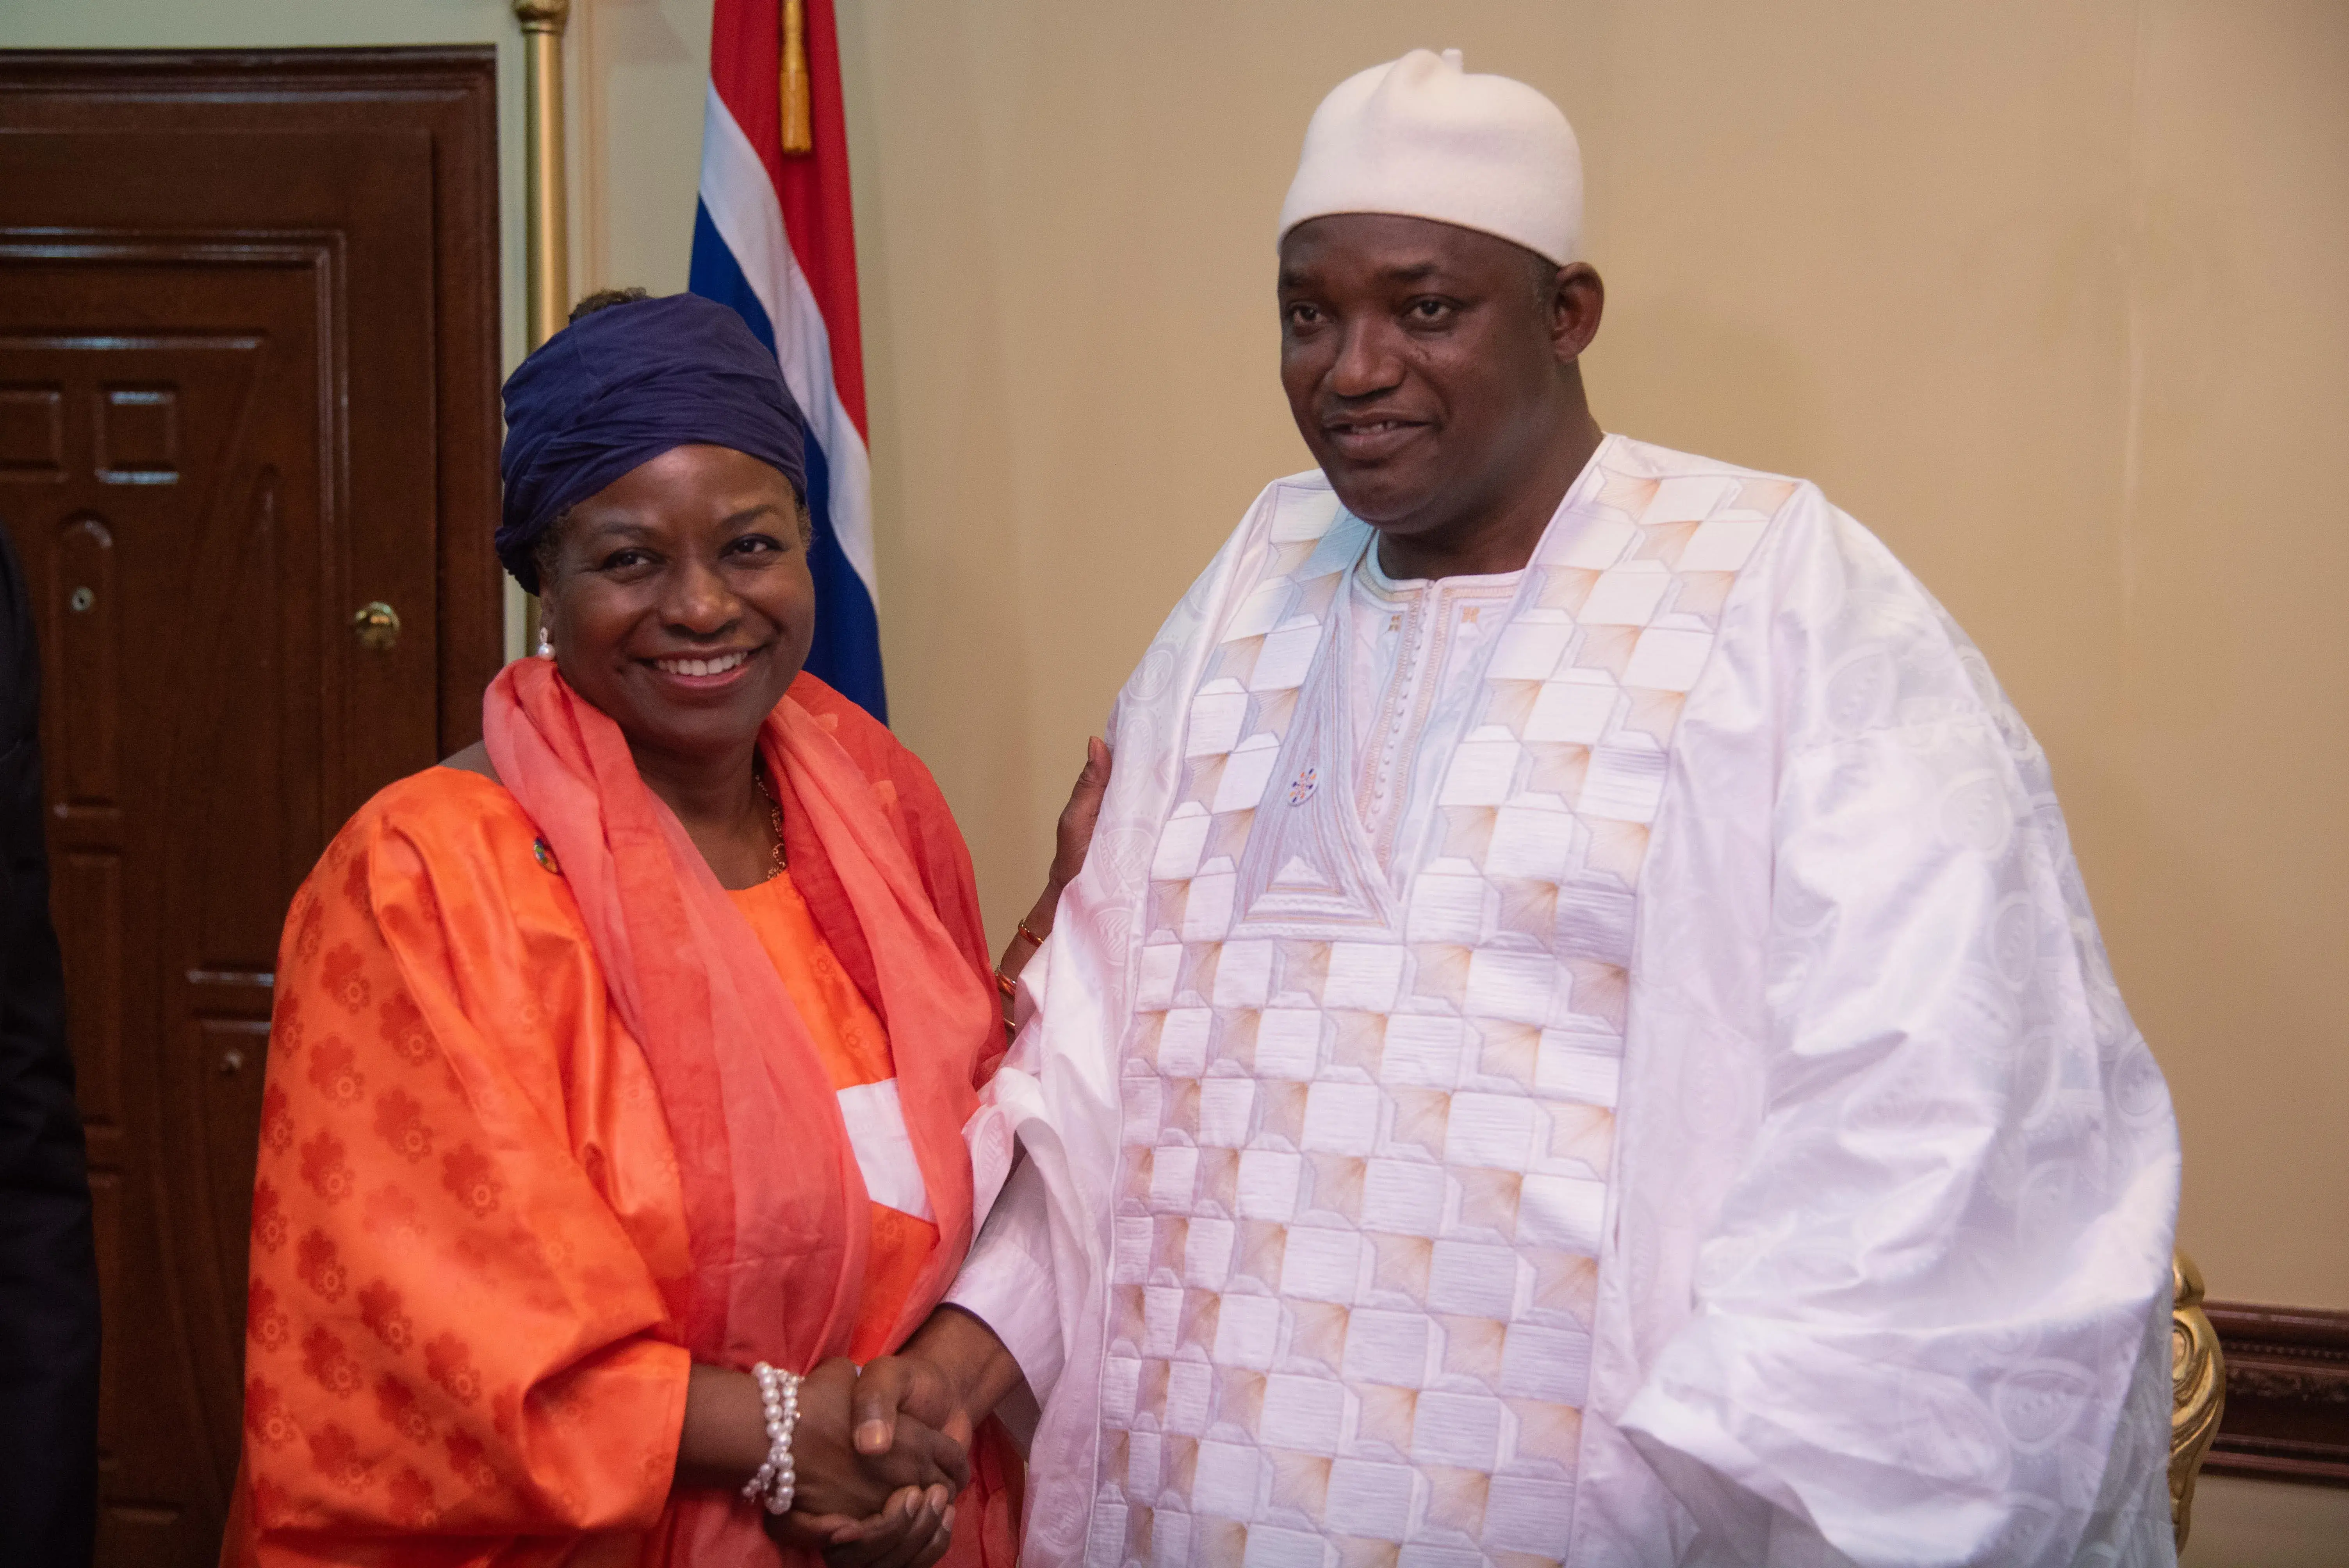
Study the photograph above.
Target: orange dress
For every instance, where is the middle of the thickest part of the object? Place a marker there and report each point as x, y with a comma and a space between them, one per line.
469, 1251
855, 1050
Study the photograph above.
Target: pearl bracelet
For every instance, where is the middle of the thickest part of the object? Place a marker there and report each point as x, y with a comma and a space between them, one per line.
776, 1481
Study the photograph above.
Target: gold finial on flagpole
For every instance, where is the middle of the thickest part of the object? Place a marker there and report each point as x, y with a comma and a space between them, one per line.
799, 136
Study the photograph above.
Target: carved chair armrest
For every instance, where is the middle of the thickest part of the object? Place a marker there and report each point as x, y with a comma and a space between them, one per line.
2199, 1379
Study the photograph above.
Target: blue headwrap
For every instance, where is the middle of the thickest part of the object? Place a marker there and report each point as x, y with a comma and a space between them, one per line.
619, 388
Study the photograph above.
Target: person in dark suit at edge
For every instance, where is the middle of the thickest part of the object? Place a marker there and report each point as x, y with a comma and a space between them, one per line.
48, 1265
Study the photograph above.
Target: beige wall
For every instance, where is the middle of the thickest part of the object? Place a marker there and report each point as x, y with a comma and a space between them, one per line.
2048, 295
2265, 1524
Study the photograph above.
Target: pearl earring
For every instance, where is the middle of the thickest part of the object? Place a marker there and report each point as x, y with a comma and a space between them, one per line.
545, 643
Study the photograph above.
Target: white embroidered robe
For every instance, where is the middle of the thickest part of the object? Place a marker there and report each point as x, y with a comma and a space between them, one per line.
1705, 1131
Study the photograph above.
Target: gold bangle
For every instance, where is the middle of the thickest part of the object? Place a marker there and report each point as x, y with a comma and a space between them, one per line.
1005, 983
1029, 935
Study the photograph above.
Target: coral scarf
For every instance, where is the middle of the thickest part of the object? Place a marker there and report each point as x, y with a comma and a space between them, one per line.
775, 1208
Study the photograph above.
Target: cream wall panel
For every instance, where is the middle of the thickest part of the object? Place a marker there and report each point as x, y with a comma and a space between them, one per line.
2221, 775
642, 66
2241, 1524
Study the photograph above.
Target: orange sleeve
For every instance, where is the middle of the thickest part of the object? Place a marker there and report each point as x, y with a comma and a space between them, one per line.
454, 1325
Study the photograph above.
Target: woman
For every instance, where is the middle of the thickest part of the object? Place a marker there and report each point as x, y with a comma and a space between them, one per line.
629, 1051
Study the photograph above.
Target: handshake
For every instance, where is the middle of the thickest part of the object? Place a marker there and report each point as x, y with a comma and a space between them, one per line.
881, 1458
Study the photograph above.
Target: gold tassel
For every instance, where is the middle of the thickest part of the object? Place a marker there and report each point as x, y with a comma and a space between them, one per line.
799, 137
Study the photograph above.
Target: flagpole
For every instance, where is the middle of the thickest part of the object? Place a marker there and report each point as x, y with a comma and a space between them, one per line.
546, 267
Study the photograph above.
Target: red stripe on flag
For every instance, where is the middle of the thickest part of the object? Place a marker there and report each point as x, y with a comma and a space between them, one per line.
746, 54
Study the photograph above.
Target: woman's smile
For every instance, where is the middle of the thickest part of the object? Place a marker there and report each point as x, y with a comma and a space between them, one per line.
703, 672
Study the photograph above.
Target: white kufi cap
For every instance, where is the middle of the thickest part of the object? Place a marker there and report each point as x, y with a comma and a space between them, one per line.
1421, 138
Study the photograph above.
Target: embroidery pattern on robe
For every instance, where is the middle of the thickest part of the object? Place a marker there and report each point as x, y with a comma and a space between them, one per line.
1367, 1136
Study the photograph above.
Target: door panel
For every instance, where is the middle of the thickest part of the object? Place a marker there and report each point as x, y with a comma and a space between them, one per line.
247, 354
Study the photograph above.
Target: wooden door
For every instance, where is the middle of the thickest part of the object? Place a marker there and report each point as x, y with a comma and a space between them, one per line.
248, 367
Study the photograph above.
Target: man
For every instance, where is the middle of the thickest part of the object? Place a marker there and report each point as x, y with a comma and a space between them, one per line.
1580, 1039
48, 1269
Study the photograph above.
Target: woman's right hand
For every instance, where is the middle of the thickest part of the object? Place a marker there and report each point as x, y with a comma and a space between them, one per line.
895, 1390
838, 1483
889, 1509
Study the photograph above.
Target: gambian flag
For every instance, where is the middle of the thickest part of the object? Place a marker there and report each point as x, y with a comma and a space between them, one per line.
772, 238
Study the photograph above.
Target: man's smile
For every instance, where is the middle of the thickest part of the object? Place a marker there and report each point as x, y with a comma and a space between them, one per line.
1369, 439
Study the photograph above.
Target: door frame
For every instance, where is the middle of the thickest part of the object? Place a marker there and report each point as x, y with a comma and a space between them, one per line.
468, 277
447, 97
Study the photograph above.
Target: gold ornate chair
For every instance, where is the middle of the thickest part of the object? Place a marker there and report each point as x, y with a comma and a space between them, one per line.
2199, 1372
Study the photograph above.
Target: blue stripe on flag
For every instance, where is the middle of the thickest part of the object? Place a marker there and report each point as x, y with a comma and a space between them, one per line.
846, 653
